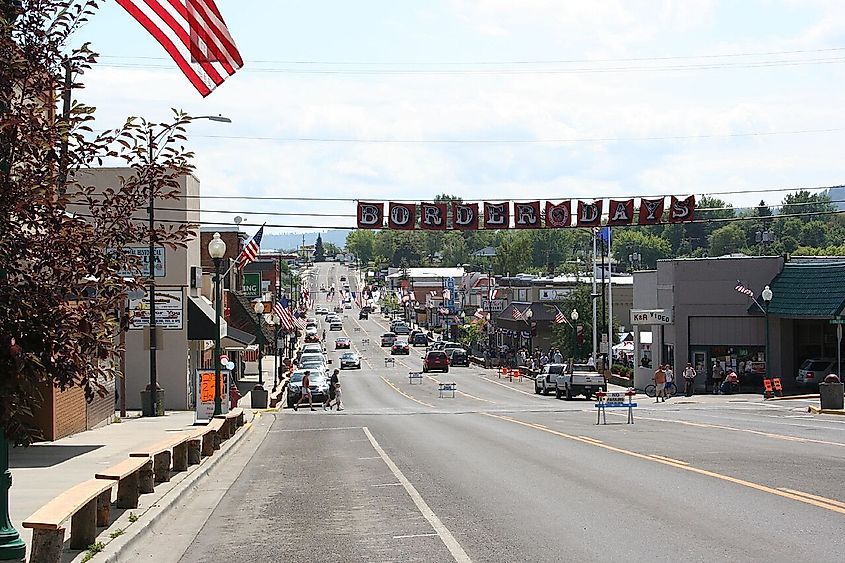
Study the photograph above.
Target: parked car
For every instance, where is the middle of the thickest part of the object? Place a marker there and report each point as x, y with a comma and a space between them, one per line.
388, 339
400, 347
436, 359
814, 370
312, 348
582, 380
546, 380
350, 360
318, 384
445, 345
363, 315
342, 342
457, 357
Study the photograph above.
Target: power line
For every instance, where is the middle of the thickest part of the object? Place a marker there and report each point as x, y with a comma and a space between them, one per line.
524, 141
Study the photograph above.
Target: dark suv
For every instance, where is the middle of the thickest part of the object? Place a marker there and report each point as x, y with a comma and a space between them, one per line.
457, 357
436, 359
419, 339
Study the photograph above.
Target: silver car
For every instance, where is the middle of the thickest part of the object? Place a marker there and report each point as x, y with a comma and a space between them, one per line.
350, 360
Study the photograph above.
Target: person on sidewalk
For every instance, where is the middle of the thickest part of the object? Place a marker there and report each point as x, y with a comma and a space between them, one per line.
689, 380
670, 380
558, 357
306, 391
717, 377
659, 384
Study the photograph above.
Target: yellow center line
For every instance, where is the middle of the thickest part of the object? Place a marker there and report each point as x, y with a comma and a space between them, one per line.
673, 460
814, 497
735, 429
585, 437
437, 381
820, 502
403, 393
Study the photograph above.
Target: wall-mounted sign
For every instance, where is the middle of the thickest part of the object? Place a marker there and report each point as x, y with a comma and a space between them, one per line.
651, 317
493, 305
252, 285
143, 252
560, 294
169, 309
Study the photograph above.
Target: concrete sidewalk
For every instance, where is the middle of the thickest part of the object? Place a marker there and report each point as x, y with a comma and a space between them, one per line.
42, 471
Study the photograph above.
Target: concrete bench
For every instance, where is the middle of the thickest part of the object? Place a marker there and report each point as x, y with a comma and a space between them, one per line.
446, 388
414, 375
129, 473
211, 435
87, 505
232, 420
173, 448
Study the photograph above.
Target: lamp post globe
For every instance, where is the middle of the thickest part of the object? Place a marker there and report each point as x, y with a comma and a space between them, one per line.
217, 250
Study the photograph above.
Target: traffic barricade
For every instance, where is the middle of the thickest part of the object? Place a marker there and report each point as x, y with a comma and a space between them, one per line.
777, 386
615, 400
768, 390
415, 375
446, 388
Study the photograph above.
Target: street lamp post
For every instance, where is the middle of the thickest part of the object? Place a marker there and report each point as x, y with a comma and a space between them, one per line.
259, 310
529, 314
152, 139
217, 249
767, 298
574, 316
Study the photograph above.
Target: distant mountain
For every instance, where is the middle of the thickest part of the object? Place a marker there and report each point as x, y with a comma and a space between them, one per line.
292, 241
837, 196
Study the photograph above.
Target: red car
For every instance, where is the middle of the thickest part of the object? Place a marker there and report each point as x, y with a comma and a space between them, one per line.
436, 359
342, 342
400, 347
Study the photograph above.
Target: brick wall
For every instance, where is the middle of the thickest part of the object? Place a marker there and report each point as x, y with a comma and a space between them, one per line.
69, 413
101, 409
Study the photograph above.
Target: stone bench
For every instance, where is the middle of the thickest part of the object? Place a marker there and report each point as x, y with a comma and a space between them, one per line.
88, 505
133, 476
232, 420
173, 448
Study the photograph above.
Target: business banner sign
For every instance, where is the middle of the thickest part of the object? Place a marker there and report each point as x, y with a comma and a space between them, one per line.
651, 317
206, 380
462, 216
169, 309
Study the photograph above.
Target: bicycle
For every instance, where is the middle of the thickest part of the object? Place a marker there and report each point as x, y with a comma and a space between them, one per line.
669, 388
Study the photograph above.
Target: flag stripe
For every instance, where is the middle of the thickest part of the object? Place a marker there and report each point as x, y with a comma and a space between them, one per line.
193, 34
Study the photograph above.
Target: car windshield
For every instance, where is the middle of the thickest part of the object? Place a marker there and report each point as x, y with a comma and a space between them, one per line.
296, 377
815, 365
400, 343
349, 356
388, 335
312, 358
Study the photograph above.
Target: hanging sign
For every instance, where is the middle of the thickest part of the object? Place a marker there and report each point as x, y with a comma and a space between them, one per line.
461, 216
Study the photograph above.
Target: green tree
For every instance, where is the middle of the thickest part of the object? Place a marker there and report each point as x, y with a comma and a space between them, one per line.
319, 251
726, 240
454, 249
471, 335
332, 249
513, 254
698, 234
651, 247
803, 202
361, 243
814, 233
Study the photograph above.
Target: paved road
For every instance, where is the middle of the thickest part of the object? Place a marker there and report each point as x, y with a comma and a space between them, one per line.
498, 473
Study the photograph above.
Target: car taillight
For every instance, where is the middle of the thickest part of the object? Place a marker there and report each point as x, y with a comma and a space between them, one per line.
810, 375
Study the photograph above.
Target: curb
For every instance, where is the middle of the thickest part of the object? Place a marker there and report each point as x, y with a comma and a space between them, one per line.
817, 410
115, 548
790, 397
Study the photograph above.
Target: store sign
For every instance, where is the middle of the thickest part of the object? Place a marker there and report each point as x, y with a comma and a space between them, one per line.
555, 294
169, 309
143, 254
206, 380
651, 317
493, 305
252, 285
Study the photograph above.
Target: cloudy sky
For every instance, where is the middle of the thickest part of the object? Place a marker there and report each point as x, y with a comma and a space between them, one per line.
496, 99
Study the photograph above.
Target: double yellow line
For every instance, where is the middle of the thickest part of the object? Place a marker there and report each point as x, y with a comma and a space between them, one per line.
806, 498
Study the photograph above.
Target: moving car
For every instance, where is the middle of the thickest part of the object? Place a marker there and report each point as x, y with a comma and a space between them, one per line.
347, 305
418, 339
814, 370
363, 315
402, 329
400, 347
457, 357
342, 342
546, 380
436, 359
582, 380
335, 325
311, 335
321, 310
313, 348
350, 360
330, 318
319, 386
388, 338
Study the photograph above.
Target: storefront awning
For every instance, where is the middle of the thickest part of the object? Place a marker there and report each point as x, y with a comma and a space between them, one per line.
806, 291
201, 325
236, 339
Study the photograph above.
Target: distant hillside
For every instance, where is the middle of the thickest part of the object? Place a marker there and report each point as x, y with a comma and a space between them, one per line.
837, 196
291, 241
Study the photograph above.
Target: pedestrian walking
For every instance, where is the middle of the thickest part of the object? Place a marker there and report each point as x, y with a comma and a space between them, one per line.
717, 377
670, 379
334, 392
659, 384
689, 380
306, 391
558, 357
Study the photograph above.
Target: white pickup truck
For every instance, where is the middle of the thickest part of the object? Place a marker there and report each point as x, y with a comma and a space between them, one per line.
582, 380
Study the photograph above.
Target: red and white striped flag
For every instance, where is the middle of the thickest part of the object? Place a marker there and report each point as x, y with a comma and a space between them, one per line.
194, 35
250, 251
285, 316
517, 314
560, 318
742, 288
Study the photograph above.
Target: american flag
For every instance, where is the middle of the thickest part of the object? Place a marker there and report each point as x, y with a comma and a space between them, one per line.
517, 314
194, 35
742, 288
299, 321
250, 251
560, 318
282, 310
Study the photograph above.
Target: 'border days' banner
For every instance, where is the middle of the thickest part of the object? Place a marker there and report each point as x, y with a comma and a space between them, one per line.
461, 216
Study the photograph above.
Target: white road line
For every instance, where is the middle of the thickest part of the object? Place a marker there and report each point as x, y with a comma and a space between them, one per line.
388, 485
414, 536
446, 536
373, 457
317, 429
508, 387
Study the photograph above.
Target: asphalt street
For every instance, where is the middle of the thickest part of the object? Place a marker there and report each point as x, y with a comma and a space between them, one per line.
498, 473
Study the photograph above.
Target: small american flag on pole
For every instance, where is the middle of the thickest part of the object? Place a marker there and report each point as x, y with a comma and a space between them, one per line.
250, 251
742, 288
517, 314
194, 35
282, 310
560, 318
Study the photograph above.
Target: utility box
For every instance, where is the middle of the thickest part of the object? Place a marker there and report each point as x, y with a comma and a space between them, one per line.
831, 396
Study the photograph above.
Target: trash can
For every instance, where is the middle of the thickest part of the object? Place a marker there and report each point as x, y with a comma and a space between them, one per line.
259, 397
146, 397
831, 395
